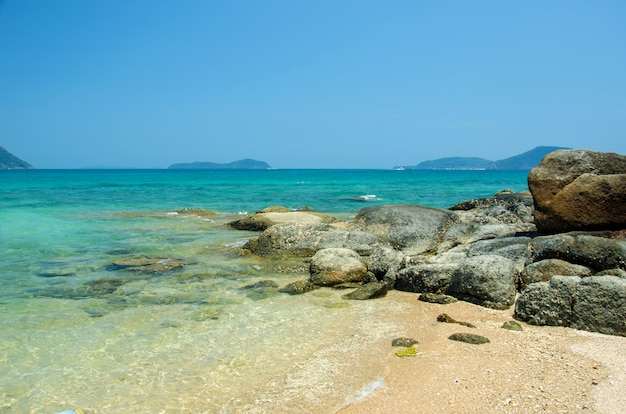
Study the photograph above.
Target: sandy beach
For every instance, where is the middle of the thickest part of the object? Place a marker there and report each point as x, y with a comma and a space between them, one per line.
537, 370
541, 369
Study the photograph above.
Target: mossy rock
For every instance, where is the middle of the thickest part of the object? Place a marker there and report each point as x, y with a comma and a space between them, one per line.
348, 285
444, 317
368, 291
298, 287
437, 298
469, 338
512, 326
405, 342
409, 352
261, 284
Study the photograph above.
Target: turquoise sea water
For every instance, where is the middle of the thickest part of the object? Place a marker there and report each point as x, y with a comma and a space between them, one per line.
78, 331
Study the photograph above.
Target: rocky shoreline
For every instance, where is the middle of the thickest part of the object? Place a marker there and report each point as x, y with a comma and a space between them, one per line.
556, 253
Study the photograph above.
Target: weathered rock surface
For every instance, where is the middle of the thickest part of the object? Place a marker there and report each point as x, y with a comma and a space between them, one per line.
370, 290
437, 298
599, 253
595, 303
469, 338
412, 228
425, 277
336, 265
303, 240
600, 305
548, 303
385, 259
146, 264
579, 190
543, 270
487, 280
266, 218
298, 287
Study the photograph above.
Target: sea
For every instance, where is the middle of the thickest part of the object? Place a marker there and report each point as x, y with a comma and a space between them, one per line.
78, 331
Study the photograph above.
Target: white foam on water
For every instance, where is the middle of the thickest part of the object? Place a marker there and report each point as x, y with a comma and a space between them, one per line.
366, 391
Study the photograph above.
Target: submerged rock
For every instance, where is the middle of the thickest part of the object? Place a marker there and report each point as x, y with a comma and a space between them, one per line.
370, 290
149, 264
298, 287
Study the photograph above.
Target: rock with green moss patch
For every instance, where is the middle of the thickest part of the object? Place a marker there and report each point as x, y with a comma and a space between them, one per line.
512, 326
298, 287
404, 342
469, 338
368, 291
444, 317
409, 352
438, 298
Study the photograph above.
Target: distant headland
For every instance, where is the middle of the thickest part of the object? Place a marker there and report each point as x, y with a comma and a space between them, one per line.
9, 161
526, 161
247, 164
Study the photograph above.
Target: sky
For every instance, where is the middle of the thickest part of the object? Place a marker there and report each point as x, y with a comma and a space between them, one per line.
307, 84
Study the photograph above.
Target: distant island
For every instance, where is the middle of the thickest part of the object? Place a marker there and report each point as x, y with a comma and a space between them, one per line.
246, 164
525, 161
9, 161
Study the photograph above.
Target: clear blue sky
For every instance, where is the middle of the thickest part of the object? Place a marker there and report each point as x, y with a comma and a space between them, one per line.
307, 84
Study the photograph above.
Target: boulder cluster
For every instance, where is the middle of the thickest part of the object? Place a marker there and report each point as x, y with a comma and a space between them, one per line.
556, 253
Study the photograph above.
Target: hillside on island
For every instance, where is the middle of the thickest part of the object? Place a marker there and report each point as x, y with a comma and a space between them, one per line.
526, 161
9, 161
247, 164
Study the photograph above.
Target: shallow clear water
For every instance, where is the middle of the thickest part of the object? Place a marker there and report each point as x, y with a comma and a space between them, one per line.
79, 331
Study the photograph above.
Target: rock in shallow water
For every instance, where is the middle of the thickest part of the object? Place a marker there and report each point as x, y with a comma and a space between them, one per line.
368, 291
298, 287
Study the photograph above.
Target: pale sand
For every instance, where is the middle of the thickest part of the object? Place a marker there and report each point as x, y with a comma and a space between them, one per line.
541, 369
538, 370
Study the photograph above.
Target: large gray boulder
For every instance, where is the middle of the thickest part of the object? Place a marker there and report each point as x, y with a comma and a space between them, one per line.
425, 277
600, 305
516, 249
414, 229
599, 253
594, 303
543, 270
579, 190
487, 280
334, 266
271, 216
303, 240
548, 303
384, 259
506, 214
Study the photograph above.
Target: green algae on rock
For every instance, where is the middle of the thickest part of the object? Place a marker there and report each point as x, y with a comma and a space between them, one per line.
409, 352
469, 338
404, 342
512, 326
